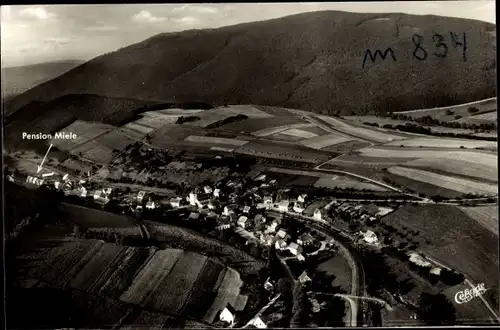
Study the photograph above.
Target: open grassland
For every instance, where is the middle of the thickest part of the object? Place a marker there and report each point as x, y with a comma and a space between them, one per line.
215, 140
338, 267
461, 109
316, 130
362, 132
484, 117
173, 290
453, 238
323, 141
92, 218
452, 165
228, 292
178, 111
444, 181
276, 151
283, 137
359, 159
147, 281
486, 216
473, 312
156, 122
252, 125
275, 111
211, 116
445, 143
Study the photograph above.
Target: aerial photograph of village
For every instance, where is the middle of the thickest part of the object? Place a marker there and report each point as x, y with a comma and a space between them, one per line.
245, 165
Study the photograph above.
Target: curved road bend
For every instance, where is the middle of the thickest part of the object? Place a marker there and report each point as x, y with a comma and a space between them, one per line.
358, 276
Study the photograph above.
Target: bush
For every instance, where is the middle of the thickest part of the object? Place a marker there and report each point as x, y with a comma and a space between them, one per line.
457, 117
473, 110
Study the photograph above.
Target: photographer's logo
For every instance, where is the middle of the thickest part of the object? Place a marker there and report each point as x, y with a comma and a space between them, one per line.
469, 294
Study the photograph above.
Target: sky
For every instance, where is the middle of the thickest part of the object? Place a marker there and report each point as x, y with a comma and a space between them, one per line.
39, 33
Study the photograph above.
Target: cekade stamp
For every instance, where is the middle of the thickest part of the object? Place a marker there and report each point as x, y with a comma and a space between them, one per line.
469, 294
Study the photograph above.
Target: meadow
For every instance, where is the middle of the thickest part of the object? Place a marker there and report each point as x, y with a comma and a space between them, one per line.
486, 216
445, 143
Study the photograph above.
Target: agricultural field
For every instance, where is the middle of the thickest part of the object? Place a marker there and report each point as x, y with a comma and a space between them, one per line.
453, 238
177, 111
228, 292
211, 116
321, 179
85, 131
344, 182
444, 181
252, 125
148, 279
276, 151
445, 143
362, 132
275, 111
215, 140
324, 141
247, 110
99, 154
366, 160
138, 129
489, 105
420, 187
269, 131
115, 140
413, 153
486, 216
295, 132
451, 165
316, 130
346, 147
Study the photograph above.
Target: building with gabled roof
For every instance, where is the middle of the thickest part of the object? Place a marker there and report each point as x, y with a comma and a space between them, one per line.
303, 278
242, 220
295, 249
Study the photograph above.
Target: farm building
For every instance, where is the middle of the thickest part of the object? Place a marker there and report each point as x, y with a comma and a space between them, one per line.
302, 198
227, 315
268, 285
268, 199
193, 199
246, 209
217, 192
207, 189
258, 323
140, 195
194, 216
223, 223
436, 271
151, 205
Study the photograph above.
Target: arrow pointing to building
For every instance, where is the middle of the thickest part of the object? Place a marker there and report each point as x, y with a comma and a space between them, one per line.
39, 168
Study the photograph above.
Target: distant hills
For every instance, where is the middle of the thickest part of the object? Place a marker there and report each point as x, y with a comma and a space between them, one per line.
310, 61
18, 79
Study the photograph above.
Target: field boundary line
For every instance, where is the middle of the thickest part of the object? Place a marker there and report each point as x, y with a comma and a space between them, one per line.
447, 107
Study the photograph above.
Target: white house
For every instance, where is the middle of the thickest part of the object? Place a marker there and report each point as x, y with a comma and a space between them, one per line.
217, 192
305, 239
246, 209
83, 192
370, 237
194, 216
436, 271
419, 260
258, 323
57, 184
242, 221
295, 249
302, 198
107, 191
317, 214
300, 257
283, 205
140, 195
271, 228
261, 177
298, 208
65, 177
268, 199
97, 194
280, 244
226, 316
175, 202
281, 233
193, 199
150, 205
304, 278
207, 189
268, 285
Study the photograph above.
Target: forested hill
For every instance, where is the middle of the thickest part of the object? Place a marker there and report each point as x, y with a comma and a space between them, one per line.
311, 61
